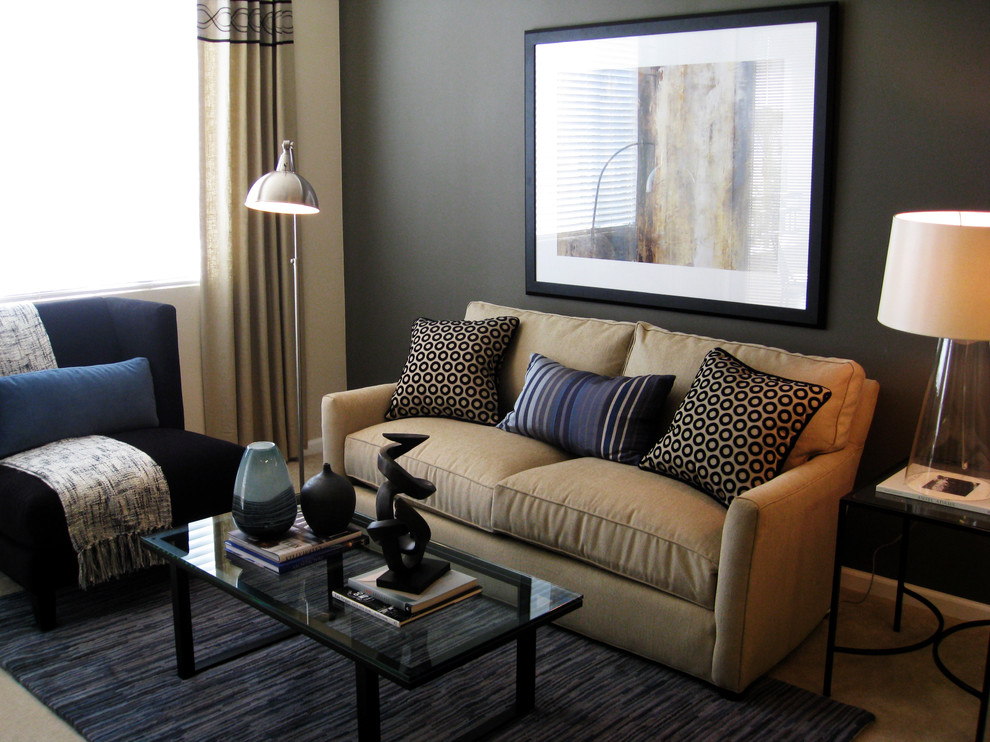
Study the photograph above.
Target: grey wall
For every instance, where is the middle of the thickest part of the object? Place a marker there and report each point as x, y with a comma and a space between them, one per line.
433, 172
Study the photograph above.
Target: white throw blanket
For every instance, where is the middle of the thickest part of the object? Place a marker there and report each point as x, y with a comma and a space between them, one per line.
24, 343
112, 493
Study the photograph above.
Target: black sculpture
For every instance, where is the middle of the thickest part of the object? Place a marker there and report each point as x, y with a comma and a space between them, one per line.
402, 532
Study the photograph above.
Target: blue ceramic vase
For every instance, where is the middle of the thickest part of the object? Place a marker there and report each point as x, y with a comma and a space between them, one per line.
264, 501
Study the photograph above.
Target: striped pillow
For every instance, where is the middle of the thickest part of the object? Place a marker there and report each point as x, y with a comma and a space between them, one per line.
588, 414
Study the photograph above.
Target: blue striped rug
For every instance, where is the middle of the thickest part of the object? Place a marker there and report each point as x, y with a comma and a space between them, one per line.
108, 670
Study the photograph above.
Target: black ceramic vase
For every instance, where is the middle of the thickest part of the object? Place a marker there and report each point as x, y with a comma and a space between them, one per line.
327, 501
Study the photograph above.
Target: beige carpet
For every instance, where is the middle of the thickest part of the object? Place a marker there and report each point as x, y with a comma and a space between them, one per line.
907, 693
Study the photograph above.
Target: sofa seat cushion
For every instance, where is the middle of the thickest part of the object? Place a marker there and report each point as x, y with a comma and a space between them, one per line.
464, 461
634, 523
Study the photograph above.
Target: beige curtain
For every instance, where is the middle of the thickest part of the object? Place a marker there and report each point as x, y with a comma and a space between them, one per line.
247, 104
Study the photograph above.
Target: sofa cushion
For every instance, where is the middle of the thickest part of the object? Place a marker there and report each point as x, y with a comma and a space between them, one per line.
654, 530
587, 414
655, 350
451, 370
457, 457
39, 407
734, 428
595, 345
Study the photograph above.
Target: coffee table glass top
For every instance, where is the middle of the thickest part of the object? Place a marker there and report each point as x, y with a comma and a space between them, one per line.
510, 602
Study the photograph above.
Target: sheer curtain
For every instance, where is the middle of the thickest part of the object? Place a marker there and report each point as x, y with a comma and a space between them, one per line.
247, 102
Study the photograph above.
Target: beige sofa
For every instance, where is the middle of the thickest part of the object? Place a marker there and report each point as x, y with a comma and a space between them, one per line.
667, 571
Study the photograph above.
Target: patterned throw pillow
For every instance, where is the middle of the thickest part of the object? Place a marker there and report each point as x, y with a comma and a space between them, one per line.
452, 368
588, 414
734, 428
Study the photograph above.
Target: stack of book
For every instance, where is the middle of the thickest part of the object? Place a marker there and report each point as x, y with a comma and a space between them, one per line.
398, 608
299, 547
940, 487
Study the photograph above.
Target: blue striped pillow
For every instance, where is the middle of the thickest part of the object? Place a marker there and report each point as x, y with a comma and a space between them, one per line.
588, 414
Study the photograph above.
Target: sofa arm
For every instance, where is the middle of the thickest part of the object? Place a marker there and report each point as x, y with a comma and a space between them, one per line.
775, 565
346, 412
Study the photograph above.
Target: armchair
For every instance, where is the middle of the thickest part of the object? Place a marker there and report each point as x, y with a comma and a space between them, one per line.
35, 546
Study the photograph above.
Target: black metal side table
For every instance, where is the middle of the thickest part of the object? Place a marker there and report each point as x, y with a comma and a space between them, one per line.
910, 512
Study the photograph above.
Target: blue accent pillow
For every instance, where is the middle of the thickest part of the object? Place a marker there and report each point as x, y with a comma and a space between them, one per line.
587, 414
39, 407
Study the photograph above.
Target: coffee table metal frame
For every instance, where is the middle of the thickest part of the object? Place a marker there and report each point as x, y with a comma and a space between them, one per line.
520, 603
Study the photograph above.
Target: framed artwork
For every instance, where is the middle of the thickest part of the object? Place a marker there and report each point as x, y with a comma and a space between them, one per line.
682, 162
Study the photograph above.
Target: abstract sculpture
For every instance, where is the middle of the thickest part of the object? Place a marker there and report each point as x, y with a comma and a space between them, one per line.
402, 532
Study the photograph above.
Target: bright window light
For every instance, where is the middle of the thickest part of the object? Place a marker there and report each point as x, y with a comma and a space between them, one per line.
101, 184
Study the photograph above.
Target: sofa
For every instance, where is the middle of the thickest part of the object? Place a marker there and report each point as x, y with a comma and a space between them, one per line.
90, 335
719, 582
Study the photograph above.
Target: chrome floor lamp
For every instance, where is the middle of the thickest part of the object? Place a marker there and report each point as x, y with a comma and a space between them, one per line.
284, 191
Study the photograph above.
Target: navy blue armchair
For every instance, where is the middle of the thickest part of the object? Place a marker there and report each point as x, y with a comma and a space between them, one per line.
35, 548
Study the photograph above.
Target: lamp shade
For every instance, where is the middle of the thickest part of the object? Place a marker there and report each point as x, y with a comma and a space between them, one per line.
937, 278
283, 190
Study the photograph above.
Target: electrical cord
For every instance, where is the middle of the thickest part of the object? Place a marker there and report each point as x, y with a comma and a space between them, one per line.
873, 572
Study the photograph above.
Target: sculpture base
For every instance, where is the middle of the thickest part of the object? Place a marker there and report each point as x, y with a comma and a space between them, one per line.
417, 580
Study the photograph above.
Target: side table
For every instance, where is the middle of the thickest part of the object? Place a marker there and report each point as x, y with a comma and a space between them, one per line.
910, 512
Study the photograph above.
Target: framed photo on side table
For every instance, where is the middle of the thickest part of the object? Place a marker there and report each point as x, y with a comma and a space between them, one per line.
683, 162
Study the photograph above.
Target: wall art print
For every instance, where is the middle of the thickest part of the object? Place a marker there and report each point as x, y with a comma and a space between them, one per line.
682, 162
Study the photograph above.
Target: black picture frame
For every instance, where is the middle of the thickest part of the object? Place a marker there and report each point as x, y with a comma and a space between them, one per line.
712, 133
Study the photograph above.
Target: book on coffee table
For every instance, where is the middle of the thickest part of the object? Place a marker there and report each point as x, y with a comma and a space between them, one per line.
299, 541
258, 560
388, 613
448, 586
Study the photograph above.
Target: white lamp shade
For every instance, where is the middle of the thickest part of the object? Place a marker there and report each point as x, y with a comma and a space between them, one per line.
937, 278
283, 191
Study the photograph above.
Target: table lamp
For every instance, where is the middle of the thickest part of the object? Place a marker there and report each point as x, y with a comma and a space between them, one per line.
283, 191
937, 283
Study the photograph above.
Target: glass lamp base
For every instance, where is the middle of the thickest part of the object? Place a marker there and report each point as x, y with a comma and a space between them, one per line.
951, 443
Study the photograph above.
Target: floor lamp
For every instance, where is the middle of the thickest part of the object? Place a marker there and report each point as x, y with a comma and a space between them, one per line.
284, 191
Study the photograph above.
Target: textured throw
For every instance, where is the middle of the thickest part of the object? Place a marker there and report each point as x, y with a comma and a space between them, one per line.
109, 671
112, 494
24, 343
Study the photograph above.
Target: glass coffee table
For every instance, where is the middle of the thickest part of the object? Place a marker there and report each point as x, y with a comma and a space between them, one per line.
510, 608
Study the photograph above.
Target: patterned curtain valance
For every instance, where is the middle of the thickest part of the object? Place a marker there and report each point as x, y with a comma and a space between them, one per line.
263, 22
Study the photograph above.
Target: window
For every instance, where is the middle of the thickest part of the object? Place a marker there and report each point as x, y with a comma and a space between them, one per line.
100, 139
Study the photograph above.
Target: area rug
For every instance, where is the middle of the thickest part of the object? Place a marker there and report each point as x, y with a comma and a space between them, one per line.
108, 669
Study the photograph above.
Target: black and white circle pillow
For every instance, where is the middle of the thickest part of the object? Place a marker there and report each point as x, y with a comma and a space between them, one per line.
734, 428
452, 370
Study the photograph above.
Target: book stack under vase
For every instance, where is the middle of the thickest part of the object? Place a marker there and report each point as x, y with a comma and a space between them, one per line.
399, 608
299, 547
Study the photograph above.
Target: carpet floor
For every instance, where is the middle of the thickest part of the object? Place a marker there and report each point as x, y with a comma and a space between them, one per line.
108, 670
